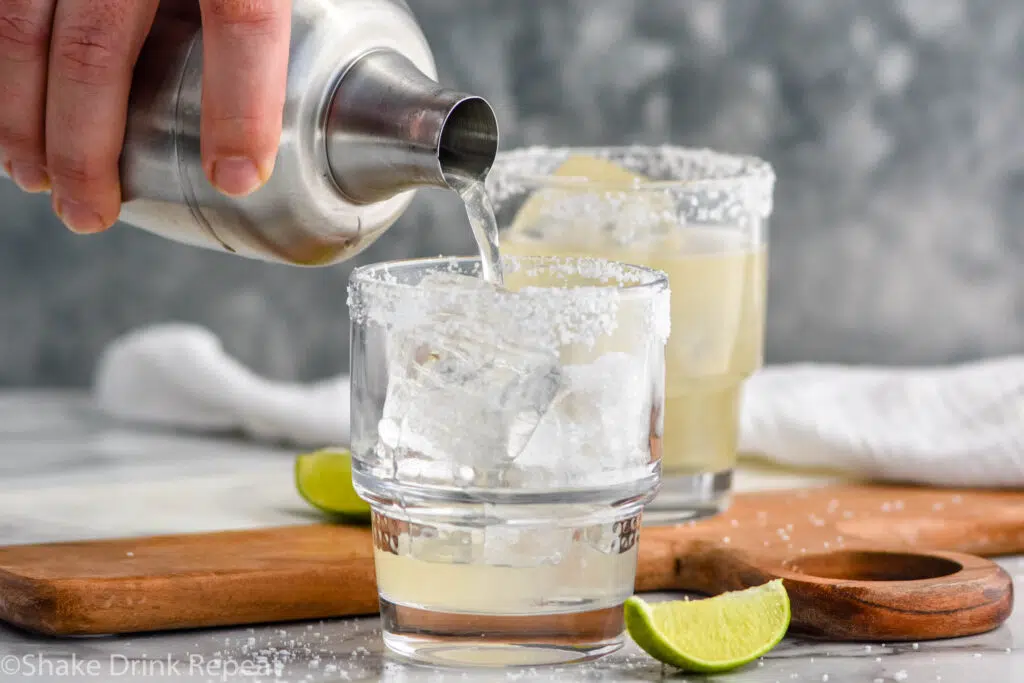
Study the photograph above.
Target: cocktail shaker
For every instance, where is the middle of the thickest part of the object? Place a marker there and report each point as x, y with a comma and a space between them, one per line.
365, 125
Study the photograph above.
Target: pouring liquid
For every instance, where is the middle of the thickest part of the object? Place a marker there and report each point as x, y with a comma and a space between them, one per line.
485, 227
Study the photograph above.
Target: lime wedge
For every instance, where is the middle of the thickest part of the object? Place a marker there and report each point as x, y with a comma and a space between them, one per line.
597, 170
538, 209
324, 480
712, 635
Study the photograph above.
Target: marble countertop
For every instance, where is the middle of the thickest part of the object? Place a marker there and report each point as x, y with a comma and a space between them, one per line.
66, 473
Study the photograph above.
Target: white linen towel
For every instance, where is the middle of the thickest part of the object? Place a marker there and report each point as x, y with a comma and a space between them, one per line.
947, 426
179, 375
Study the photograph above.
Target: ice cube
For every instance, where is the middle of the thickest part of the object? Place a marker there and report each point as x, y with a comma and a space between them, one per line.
531, 546
597, 428
464, 396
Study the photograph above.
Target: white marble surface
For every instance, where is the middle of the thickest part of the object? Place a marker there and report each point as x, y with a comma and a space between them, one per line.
66, 473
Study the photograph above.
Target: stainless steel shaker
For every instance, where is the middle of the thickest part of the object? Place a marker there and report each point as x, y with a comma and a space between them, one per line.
365, 124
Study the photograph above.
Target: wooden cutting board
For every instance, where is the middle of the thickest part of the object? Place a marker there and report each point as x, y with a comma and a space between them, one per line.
860, 563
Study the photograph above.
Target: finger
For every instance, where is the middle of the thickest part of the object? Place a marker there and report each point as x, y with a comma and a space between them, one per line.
92, 54
180, 9
24, 54
245, 66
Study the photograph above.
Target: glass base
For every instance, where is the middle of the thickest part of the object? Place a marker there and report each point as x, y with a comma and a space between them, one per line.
689, 497
459, 639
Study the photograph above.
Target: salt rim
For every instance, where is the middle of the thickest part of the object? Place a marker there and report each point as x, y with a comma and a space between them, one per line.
548, 317
746, 180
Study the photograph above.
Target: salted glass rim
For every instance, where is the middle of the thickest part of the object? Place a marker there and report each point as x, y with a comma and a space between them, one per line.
649, 281
750, 170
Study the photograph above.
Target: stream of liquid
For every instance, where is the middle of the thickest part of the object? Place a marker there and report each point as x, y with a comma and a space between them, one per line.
484, 225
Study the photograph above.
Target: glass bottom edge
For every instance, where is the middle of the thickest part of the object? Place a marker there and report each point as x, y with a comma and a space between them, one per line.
689, 497
438, 638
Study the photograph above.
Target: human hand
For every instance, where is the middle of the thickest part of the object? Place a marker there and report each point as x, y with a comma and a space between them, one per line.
65, 74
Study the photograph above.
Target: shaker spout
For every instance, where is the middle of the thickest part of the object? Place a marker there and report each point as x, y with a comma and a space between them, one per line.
390, 128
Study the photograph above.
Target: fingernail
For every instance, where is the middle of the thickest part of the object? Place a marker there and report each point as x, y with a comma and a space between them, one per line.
236, 176
77, 216
29, 177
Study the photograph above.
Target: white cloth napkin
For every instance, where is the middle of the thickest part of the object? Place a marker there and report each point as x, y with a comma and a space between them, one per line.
955, 426
180, 376
946, 426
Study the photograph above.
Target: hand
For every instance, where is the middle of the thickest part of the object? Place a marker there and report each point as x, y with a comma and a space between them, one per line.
65, 74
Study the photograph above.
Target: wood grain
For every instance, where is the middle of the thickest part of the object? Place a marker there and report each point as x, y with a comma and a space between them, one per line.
860, 563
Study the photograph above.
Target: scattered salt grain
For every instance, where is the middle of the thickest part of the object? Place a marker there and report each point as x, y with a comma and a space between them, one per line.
916, 646
900, 675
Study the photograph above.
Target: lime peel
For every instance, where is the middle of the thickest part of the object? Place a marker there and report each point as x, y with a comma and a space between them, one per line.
713, 635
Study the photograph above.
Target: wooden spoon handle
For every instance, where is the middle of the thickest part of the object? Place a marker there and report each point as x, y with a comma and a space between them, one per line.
849, 594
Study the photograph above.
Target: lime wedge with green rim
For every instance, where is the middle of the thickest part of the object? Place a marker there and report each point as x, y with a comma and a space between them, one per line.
712, 635
324, 480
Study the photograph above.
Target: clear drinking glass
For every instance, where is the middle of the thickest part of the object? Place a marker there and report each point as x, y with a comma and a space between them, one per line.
701, 217
507, 441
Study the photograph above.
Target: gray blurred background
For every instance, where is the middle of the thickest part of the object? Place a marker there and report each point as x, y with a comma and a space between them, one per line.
896, 128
